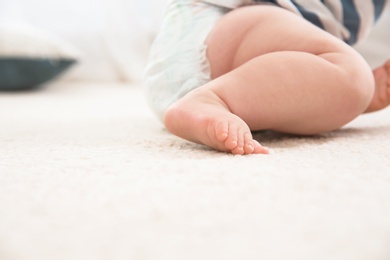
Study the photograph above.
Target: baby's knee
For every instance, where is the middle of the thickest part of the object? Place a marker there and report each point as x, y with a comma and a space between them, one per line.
361, 84
353, 90
357, 88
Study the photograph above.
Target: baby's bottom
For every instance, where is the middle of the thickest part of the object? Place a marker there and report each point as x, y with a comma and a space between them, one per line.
271, 70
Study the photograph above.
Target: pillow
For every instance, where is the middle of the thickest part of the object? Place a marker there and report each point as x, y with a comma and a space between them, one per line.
30, 57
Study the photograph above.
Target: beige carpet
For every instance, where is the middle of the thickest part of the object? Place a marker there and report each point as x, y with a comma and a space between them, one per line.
86, 172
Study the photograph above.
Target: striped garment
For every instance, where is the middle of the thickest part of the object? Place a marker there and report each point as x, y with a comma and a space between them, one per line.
349, 20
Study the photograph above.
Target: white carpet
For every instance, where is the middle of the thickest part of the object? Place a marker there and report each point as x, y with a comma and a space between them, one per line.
86, 172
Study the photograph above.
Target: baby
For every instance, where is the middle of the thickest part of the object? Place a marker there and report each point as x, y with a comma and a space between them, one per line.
220, 69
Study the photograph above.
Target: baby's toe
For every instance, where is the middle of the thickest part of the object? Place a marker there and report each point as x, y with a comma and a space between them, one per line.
259, 149
221, 131
241, 135
249, 146
232, 139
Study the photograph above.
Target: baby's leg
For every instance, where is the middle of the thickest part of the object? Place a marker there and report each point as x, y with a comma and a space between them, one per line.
271, 70
381, 97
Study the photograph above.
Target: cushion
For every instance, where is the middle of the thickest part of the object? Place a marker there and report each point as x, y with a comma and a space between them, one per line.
30, 57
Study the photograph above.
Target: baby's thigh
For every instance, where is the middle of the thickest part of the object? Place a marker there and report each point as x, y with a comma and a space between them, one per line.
251, 31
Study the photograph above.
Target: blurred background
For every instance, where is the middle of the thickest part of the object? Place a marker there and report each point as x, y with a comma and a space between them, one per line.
113, 36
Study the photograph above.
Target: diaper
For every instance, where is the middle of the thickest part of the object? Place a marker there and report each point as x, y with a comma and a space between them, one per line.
177, 61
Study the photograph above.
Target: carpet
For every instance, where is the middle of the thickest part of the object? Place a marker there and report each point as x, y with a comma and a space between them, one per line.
87, 172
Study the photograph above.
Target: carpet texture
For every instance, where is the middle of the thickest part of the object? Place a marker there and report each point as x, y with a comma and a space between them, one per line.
87, 172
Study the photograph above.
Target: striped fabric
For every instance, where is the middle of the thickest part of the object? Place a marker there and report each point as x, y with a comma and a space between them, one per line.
349, 20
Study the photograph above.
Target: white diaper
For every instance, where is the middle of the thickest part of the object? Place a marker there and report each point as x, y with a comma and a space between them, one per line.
177, 62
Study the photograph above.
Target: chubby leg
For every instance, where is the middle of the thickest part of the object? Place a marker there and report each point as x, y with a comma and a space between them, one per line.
271, 70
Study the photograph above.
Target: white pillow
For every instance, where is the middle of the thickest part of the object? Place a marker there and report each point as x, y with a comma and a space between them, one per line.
30, 57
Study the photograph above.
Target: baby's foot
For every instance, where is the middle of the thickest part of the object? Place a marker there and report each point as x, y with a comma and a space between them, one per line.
202, 117
381, 97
